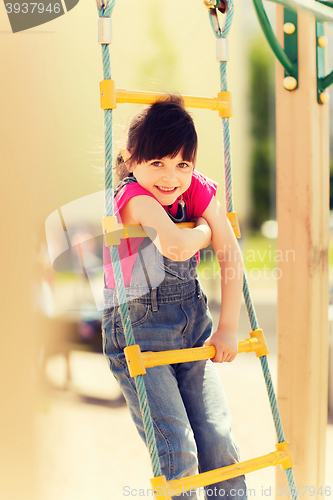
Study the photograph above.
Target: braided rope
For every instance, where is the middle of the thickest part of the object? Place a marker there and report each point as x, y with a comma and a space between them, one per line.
225, 121
114, 255
249, 305
246, 291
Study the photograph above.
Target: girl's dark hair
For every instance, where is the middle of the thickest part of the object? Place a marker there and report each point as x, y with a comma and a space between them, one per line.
163, 129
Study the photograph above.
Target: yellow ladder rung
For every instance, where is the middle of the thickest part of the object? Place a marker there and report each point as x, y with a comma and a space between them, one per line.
220, 103
164, 490
110, 96
114, 232
232, 216
132, 231
138, 361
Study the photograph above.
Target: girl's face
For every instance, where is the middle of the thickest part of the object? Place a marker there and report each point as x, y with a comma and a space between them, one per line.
165, 178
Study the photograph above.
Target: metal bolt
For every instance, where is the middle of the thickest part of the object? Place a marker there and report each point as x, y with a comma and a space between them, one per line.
289, 28
324, 97
210, 3
290, 83
322, 41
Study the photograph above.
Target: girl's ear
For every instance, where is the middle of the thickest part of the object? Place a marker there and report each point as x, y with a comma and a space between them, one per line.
125, 154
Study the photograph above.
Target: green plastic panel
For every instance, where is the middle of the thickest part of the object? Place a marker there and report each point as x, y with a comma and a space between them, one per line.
291, 43
322, 11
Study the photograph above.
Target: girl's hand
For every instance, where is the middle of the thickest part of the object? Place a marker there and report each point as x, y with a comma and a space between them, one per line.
226, 345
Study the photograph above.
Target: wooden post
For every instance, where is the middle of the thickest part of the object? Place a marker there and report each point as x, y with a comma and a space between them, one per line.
302, 211
18, 367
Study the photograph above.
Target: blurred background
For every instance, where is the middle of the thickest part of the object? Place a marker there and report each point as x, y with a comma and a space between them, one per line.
64, 424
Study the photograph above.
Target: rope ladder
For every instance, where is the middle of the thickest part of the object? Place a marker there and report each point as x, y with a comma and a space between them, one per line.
138, 361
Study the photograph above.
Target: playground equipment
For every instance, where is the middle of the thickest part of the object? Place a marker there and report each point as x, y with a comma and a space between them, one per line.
288, 56
302, 130
137, 361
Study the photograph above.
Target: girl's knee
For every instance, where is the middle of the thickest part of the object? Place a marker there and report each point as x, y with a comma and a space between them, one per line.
179, 463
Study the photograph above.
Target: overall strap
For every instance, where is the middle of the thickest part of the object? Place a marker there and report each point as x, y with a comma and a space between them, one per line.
127, 180
153, 291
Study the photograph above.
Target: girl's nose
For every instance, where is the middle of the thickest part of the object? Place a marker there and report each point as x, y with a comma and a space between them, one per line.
169, 175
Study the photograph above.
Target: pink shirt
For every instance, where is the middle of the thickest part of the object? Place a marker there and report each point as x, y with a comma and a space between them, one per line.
196, 198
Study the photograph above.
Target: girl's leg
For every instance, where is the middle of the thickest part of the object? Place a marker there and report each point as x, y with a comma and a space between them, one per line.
174, 436
207, 409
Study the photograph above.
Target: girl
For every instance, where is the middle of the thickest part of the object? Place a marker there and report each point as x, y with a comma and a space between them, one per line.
168, 309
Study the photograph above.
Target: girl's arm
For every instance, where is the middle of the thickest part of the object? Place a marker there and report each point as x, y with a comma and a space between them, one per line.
228, 254
173, 242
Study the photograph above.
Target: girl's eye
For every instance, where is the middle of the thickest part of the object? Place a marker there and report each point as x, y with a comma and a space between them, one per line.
156, 163
183, 165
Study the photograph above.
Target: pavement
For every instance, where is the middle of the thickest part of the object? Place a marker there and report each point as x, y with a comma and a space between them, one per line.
89, 449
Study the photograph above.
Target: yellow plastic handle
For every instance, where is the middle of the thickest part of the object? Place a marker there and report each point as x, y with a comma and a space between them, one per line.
114, 232
135, 230
138, 361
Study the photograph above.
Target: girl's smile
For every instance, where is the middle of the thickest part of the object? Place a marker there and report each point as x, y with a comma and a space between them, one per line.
165, 189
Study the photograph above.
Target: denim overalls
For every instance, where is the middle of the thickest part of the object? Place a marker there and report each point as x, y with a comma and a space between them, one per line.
191, 418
